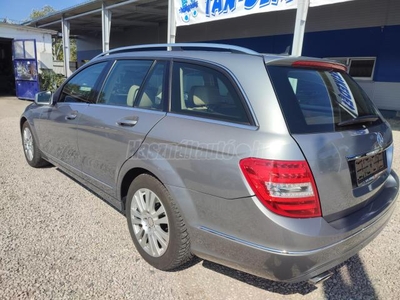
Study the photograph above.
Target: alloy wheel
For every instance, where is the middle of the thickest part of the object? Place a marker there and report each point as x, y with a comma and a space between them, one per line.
150, 222
28, 144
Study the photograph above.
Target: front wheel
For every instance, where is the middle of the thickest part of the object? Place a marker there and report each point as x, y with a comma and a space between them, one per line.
156, 225
31, 150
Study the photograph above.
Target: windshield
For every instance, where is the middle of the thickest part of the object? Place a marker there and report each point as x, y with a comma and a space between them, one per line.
319, 100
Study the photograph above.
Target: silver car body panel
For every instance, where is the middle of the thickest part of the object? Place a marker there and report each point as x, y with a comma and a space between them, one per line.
197, 159
61, 120
276, 247
328, 155
104, 144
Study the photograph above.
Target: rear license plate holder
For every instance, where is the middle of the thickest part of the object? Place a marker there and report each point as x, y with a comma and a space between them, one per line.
366, 167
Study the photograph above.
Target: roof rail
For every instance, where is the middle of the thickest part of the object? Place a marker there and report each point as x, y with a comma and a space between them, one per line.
179, 46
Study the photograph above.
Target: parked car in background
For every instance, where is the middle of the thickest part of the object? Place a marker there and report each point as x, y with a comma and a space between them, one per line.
279, 166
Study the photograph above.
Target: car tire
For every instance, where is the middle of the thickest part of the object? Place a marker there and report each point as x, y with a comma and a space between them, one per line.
31, 150
156, 225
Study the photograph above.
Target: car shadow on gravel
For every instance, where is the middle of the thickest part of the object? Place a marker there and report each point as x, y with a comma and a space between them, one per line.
302, 288
349, 281
91, 191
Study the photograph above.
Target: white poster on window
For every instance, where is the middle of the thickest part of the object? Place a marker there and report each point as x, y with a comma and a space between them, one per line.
189, 12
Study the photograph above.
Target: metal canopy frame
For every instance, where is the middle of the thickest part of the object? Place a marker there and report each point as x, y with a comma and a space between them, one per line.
88, 16
158, 10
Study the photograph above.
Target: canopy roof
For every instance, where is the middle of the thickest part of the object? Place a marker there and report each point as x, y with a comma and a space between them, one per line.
85, 18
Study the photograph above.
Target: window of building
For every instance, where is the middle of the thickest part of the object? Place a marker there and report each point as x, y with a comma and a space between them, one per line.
358, 67
362, 68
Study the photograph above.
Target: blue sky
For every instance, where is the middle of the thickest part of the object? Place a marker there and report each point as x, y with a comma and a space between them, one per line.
19, 10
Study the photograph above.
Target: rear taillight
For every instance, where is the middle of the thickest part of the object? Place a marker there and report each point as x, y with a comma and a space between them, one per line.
287, 188
319, 65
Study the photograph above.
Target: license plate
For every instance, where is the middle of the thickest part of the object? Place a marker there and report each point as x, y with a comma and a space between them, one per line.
367, 167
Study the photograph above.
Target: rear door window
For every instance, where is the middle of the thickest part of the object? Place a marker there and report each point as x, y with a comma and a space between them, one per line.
124, 82
152, 95
319, 100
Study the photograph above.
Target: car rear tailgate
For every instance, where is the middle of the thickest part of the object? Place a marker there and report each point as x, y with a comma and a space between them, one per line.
332, 158
342, 135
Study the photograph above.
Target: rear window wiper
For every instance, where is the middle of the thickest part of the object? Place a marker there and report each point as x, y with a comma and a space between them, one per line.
359, 120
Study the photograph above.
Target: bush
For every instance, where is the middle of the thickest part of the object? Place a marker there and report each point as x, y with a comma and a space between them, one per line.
50, 80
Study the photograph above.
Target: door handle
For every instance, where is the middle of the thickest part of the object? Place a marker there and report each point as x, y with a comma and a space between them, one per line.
128, 122
71, 116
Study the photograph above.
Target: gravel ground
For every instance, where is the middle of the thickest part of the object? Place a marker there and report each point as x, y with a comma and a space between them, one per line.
60, 241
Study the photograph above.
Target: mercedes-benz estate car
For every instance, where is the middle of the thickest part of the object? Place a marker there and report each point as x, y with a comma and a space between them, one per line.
279, 166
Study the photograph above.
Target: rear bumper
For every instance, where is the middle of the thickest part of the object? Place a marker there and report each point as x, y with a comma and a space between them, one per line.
285, 265
280, 249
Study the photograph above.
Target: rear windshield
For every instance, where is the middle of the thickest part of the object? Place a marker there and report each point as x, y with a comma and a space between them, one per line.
319, 100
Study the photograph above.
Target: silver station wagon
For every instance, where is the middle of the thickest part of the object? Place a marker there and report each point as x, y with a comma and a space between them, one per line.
279, 166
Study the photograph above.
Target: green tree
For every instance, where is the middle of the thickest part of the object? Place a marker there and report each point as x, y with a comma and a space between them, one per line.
37, 13
58, 53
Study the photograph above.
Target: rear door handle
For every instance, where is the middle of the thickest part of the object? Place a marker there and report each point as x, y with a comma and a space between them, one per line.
71, 116
128, 122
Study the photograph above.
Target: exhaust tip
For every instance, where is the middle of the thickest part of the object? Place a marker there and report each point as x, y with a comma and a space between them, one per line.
320, 278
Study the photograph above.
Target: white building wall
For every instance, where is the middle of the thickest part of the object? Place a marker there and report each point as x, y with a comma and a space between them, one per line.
384, 94
43, 42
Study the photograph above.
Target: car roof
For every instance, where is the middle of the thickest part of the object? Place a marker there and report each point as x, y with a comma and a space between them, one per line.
216, 53
205, 51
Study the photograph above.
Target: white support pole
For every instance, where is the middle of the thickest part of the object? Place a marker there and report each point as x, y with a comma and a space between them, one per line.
66, 45
105, 27
171, 32
300, 26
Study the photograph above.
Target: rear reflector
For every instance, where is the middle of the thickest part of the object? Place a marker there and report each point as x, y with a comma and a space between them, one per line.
319, 65
287, 188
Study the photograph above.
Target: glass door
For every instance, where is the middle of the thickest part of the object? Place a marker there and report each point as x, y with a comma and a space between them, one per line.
25, 69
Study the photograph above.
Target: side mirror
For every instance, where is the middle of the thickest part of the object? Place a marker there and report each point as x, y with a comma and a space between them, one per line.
44, 98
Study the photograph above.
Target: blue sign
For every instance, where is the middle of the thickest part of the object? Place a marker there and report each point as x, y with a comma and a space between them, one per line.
347, 100
194, 11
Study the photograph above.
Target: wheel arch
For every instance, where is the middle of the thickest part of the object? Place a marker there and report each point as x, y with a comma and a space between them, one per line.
127, 179
21, 122
161, 169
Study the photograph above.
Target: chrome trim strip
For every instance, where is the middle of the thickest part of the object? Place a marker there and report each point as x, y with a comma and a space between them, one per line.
285, 252
218, 122
379, 150
129, 108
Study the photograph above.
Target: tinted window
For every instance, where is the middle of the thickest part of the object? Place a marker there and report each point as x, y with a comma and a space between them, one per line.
123, 83
81, 87
151, 96
317, 100
205, 92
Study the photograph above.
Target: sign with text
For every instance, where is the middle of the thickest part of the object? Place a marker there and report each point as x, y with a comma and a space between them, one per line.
189, 12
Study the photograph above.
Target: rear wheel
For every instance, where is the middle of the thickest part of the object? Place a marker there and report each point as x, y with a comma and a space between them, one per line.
156, 225
31, 150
